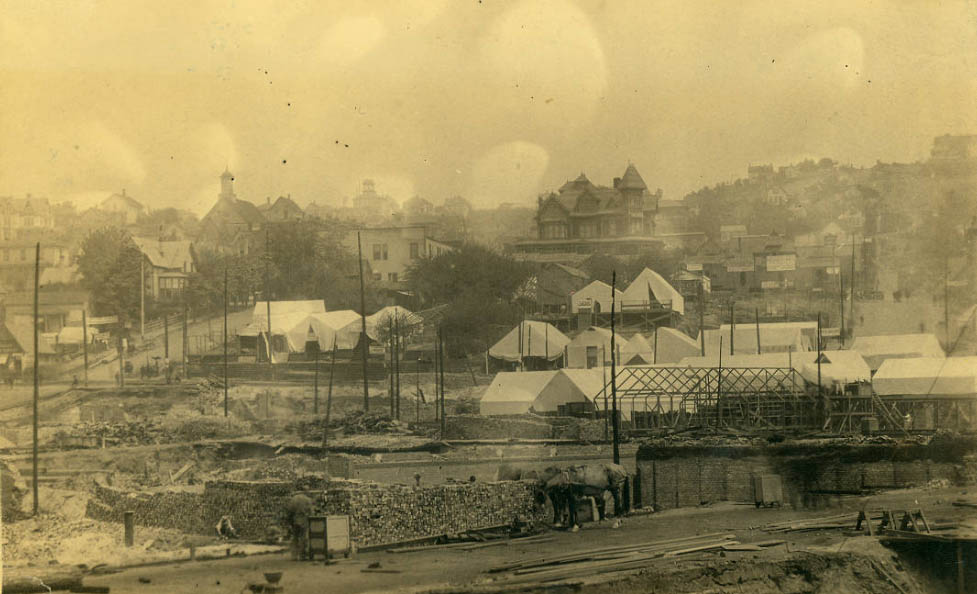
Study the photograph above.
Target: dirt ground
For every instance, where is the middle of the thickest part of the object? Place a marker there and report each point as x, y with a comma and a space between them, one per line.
825, 561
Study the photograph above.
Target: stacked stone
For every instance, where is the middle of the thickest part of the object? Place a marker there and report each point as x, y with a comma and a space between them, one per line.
180, 510
385, 514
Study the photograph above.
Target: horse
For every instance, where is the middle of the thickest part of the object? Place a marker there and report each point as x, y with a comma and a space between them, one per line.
589, 480
557, 496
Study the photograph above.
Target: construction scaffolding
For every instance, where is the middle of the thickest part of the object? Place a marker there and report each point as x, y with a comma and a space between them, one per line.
770, 398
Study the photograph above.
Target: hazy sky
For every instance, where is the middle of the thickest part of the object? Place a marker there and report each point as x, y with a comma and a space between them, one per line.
496, 101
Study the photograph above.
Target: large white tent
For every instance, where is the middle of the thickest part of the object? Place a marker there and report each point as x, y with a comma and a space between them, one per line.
877, 349
650, 287
279, 308
772, 340
838, 368
539, 339
929, 376
674, 345
595, 297
514, 392
637, 351
596, 341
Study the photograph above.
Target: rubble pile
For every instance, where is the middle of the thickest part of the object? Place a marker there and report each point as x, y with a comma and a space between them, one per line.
358, 422
12, 488
386, 514
126, 433
287, 467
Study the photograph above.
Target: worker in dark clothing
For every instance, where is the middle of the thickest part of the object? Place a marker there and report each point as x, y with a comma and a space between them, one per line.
298, 510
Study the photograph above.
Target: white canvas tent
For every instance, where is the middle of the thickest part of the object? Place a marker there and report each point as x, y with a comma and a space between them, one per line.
539, 339
513, 392
772, 340
877, 349
637, 351
595, 341
929, 376
648, 287
838, 368
674, 345
390, 314
279, 308
595, 297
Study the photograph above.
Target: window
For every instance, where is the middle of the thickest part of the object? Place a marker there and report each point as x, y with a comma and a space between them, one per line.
377, 276
377, 252
384, 251
414, 251
591, 357
392, 277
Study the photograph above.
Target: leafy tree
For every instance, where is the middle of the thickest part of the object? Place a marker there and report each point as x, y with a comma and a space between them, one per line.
472, 271
109, 264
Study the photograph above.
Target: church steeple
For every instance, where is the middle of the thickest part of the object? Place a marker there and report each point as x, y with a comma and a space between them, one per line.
227, 184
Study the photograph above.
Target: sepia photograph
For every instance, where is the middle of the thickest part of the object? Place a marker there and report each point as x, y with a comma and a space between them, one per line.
488, 296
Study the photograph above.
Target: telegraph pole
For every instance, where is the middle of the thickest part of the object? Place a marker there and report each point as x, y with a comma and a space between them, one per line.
315, 383
332, 371
732, 325
84, 341
614, 421
444, 423
390, 335
37, 385
702, 332
271, 349
363, 338
142, 297
397, 361
225, 339
756, 313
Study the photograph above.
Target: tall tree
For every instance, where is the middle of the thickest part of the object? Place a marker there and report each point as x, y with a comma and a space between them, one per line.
109, 264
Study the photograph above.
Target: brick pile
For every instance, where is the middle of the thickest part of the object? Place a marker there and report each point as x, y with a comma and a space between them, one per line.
387, 514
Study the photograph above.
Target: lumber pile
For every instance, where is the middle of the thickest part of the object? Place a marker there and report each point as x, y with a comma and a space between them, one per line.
608, 559
821, 523
386, 514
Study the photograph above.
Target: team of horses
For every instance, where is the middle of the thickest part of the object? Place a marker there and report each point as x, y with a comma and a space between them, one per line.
564, 486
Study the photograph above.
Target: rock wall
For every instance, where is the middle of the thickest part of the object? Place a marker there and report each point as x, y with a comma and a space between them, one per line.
690, 474
379, 514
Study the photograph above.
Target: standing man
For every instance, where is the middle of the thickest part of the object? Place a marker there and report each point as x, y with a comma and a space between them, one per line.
298, 510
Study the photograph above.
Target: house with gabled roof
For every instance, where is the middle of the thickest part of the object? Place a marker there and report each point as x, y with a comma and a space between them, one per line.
231, 225
167, 266
581, 217
282, 210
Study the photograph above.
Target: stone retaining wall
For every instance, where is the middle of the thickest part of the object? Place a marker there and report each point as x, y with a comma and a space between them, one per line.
379, 514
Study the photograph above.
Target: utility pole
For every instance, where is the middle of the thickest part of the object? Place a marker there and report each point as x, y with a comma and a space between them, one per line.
37, 384
719, 386
615, 422
820, 393
225, 339
702, 310
417, 396
271, 348
437, 357
851, 311
732, 325
841, 299
166, 337
655, 360
332, 371
142, 298
122, 357
186, 338
946, 301
84, 341
444, 423
756, 313
390, 370
315, 383
397, 361
363, 339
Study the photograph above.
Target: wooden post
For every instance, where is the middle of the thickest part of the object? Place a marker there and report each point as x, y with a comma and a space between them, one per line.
142, 297
841, 300
437, 357
271, 345
390, 370
363, 338
851, 310
225, 339
417, 396
732, 325
702, 313
128, 519
332, 371
444, 423
756, 313
84, 340
397, 361
37, 385
186, 338
166, 337
315, 382
122, 360
615, 422
719, 387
